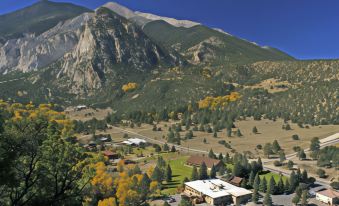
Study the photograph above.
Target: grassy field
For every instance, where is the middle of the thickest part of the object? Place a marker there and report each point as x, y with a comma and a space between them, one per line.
268, 176
179, 172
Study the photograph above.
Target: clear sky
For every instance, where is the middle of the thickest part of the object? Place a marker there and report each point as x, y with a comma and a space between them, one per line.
306, 29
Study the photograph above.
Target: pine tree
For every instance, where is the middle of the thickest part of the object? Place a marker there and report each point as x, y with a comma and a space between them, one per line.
282, 156
263, 185
144, 186
243, 183
168, 173
203, 171
256, 182
293, 181
268, 199
287, 188
304, 197
222, 168
237, 169
211, 154
255, 130
166, 147
251, 179
213, 172
296, 199
195, 174
157, 174
271, 186
268, 150
302, 154
276, 147
280, 186
221, 157
173, 149
255, 196
215, 134
260, 167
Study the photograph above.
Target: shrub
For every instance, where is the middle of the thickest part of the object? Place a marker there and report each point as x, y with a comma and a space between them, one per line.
277, 163
321, 173
295, 137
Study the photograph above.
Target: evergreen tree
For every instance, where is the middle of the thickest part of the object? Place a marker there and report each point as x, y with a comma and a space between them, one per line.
166, 147
256, 182
243, 183
263, 185
287, 187
304, 176
157, 174
293, 181
255, 196
221, 157
260, 166
237, 169
268, 150
315, 144
185, 202
203, 171
275, 147
296, 199
255, 130
282, 156
195, 174
211, 154
268, 199
144, 186
304, 197
213, 172
290, 164
251, 179
168, 173
215, 134
229, 132
271, 185
173, 149
280, 186
222, 170
302, 154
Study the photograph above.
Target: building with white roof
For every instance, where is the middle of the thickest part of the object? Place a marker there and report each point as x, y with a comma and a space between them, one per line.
134, 141
217, 192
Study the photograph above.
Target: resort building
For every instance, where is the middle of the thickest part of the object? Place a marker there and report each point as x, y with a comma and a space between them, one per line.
198, 160
216, 192
328, 196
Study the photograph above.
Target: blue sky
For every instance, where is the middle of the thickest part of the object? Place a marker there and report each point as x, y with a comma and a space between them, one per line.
306, 29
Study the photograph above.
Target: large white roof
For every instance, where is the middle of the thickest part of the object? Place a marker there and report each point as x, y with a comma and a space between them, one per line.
135, 141
215, 188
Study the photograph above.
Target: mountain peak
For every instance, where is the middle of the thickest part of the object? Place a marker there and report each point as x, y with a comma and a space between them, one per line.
119, 9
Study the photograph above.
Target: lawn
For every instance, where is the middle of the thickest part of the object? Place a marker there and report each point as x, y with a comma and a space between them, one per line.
268, 176
179, 172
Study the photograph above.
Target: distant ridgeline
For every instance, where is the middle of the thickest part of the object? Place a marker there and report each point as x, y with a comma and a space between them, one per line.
140, 63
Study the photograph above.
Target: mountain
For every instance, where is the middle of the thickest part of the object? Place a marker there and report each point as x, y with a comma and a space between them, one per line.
198, 43
109, 47
202, 44
33, 51
143, 18
36, 19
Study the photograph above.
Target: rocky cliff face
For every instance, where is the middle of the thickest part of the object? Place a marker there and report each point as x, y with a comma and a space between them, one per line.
109, 46
32, 52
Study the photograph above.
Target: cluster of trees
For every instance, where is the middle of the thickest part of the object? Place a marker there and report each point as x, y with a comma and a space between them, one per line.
274, 148
129, 86
40, 162
328, 157
214, 103
89, 126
